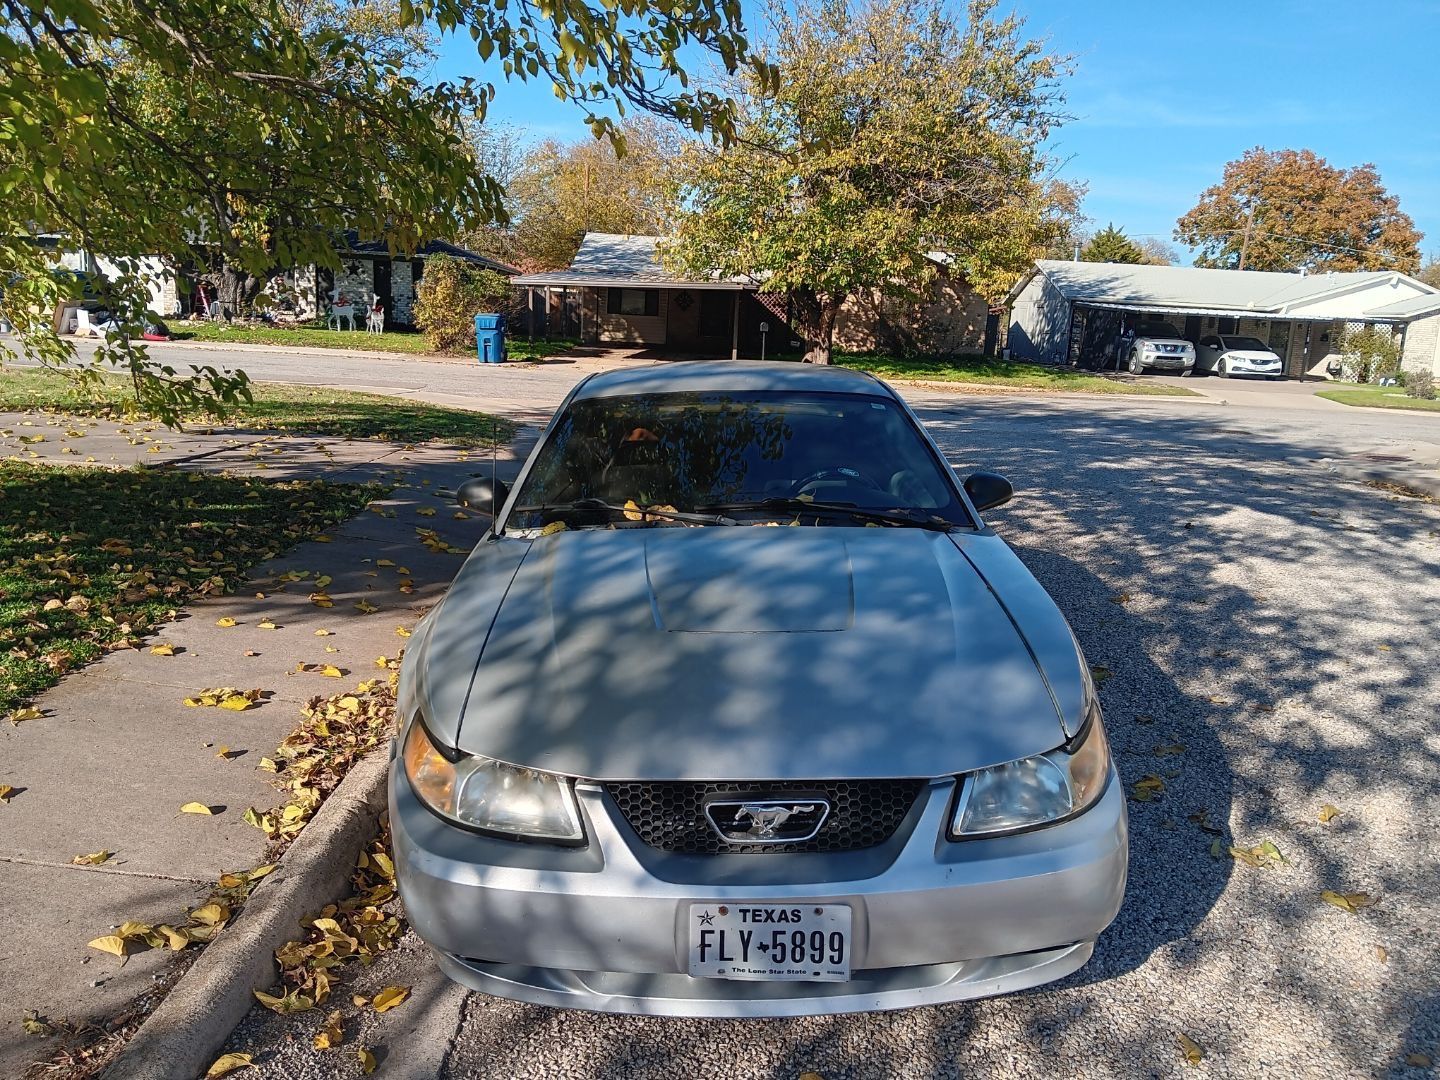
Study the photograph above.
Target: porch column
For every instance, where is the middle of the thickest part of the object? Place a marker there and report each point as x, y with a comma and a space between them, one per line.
547, 312
530, 310
735, 329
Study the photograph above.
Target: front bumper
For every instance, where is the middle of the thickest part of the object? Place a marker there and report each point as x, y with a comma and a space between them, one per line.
603, 927
1253, 367
1168, 361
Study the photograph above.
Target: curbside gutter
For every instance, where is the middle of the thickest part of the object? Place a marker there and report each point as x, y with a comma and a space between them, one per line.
1423, 481
184, 1034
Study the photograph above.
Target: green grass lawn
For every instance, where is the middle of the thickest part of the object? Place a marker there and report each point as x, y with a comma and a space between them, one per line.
992, 372
308, 410
1379, 397
317, 337
81, 571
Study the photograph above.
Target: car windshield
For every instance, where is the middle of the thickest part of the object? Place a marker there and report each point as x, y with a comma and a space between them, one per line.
1249, 344
728, 453
1157, 330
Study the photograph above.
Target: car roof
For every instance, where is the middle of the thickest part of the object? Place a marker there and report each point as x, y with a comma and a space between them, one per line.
680, 376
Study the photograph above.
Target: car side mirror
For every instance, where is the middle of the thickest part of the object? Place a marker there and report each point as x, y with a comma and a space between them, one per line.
988, 490
482, 495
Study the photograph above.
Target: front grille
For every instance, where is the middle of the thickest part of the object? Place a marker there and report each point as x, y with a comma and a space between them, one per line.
670, 815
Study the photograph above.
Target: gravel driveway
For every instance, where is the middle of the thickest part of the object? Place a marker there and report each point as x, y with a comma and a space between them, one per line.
1271, 638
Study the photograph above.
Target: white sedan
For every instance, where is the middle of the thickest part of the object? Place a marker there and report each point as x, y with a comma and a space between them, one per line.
1226, 355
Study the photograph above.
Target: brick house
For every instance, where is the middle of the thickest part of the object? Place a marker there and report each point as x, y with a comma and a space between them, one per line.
616, 291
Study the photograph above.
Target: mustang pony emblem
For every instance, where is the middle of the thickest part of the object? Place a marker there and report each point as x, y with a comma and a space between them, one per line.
765, 818
767, 822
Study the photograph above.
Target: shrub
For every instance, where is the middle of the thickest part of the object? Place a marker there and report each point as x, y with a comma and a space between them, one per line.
1369, 354
1420, 384
450, 295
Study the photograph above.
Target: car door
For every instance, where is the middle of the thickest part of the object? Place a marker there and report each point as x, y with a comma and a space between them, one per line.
1207, 356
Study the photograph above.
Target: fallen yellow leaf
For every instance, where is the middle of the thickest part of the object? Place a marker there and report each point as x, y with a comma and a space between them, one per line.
384, 562
330, 1035
425, 511
196, 808
389, 998
20, 715
236, 703
1350, 902
95, 858
113, 944
163, 649
1189, 1049
226, 621
367, 1061
323, 633
402, 631
6, 793
211, 914
1328, 813
1147, 787
228, 1063
366, 608
267, 624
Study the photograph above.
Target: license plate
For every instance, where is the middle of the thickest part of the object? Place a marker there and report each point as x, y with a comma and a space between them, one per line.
770, 941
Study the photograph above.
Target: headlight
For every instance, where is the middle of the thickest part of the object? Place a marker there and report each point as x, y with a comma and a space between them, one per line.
481, 793
1037, 790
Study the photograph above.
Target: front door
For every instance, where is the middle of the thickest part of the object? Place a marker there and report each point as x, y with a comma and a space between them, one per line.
382, 289
1279, 342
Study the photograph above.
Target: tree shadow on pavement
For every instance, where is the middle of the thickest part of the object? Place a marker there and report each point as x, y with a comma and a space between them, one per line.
1264, 627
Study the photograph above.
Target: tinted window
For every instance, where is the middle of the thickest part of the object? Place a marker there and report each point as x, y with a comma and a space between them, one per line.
702, 449
1246, 343
1157, 330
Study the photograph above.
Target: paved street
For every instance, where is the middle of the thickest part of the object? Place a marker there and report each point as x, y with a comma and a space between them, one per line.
1284, 415
1269, 630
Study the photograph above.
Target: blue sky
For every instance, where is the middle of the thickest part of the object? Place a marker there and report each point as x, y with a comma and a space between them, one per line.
1164, 94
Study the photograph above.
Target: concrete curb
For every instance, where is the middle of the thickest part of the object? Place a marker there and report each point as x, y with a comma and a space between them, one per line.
1422, 480
186, 1032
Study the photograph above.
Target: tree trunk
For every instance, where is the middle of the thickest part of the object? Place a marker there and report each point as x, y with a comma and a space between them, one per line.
818, 314
236, 290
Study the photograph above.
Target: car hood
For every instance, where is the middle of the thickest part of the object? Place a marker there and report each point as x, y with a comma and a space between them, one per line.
1161, 341
1249, 354
763, 653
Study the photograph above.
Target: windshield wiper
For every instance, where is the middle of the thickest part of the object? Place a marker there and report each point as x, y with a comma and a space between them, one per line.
601, 504
913, 518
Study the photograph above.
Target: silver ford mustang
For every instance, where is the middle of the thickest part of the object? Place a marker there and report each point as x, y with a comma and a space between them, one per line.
739, 709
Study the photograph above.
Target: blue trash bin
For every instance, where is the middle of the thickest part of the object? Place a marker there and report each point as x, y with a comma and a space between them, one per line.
490, 338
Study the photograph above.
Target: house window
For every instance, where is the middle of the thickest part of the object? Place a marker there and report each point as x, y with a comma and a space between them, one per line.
634, 302
1229, 326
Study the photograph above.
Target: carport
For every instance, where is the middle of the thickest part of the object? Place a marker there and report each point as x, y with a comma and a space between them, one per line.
1073, 312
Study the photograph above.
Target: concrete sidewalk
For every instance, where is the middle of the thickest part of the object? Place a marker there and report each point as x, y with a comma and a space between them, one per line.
117, 753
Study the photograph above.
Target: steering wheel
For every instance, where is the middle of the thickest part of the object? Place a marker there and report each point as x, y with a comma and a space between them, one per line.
844, 474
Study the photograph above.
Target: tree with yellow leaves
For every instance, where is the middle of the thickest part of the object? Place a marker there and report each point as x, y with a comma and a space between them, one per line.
893, 129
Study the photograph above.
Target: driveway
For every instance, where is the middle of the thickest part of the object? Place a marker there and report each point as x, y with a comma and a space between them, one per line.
1266, 638
1281, 394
